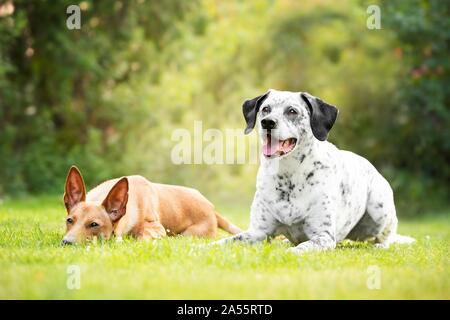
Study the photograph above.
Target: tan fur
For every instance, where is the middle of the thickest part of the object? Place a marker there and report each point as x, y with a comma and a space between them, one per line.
152, 210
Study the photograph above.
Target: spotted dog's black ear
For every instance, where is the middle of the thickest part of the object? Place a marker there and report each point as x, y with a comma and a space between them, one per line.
322, 115
250, 109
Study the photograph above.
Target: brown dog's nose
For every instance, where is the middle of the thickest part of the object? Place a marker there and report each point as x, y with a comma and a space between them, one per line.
268, 124
65, 242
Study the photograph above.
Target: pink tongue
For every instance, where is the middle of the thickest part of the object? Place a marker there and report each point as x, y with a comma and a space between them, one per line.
270, 147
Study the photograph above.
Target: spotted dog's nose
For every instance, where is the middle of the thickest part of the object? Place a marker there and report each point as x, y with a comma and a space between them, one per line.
268, 124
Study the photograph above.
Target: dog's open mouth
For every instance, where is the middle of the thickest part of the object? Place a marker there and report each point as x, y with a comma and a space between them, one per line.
273, 147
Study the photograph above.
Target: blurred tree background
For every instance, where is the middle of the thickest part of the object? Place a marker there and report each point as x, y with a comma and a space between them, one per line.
107, 97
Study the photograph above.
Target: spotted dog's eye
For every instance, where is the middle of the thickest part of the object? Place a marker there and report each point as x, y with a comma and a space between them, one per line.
292, 111
266, 109
69, 220
93, 224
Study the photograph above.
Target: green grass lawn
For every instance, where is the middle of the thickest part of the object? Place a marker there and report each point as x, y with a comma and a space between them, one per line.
34, 266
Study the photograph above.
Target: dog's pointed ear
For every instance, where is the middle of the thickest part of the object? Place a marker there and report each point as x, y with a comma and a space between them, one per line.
250, 109
322, 115
116, 201
74, 190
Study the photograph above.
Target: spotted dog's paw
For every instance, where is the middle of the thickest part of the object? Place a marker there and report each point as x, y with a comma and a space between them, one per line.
382, 245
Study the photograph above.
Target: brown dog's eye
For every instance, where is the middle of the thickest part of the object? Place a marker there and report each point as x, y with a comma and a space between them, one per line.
93, 224
69, 220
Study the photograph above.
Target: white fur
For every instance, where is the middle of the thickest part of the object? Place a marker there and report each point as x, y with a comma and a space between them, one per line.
317, 195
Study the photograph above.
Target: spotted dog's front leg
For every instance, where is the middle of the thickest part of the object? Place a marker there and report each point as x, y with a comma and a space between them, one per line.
320, 229
320, 242
262, 226
249, 236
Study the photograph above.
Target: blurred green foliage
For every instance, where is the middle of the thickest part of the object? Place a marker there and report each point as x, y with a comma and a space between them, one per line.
107, 97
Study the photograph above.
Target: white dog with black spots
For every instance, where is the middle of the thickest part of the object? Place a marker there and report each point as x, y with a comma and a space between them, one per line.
308, 190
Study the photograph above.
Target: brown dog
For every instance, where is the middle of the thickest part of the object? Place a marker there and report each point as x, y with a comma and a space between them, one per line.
135, 206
